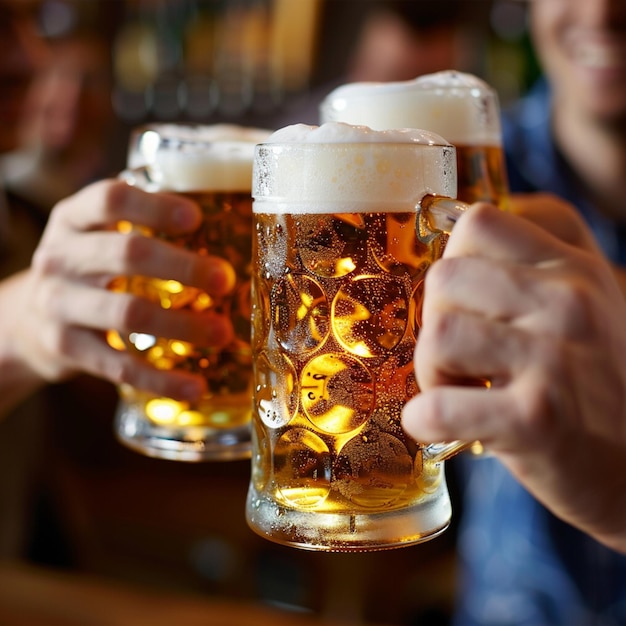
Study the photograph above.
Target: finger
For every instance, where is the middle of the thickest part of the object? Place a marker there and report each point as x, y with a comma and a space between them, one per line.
466, 414
486, 231
111, 254
103, 310
497, 290
90, 353
455, 345
559, 299
104, 204
556, 216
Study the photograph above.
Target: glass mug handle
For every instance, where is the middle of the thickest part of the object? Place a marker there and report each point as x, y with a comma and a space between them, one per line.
436, 216
141, 177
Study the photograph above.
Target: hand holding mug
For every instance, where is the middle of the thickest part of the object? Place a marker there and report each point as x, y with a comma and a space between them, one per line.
62, 307
539, 314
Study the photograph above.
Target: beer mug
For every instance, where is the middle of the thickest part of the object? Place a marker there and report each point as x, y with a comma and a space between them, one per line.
347, 221
142, 151
213, 166
458, 106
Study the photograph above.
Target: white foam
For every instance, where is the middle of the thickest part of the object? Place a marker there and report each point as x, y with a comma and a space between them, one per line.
338, 167
341, 132
204, 157
459, 106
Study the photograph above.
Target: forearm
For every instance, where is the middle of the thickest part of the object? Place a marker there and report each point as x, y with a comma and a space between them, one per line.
17, 379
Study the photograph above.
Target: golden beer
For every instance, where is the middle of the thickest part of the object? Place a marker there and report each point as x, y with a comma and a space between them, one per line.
482, 174
337, 277
218, 426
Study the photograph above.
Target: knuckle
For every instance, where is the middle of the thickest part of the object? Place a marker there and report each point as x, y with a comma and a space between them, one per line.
58, 340
437, 348
443, 278
433, 413
440, 274
48, 297
551, 358
116, 195
445, 328
572, 301
481, 215
540, 401
537, 419
45, 261
477, 220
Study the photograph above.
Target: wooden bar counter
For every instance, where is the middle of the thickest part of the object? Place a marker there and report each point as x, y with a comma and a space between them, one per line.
33, 596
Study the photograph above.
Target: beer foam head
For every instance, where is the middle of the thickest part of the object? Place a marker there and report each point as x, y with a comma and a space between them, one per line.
458, 106
203, 157
338, 167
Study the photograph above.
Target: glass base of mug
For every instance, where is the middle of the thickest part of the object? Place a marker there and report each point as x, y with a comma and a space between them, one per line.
344, 532
193, 443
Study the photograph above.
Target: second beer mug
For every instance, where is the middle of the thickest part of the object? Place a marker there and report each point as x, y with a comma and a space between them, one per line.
340, 251
460, 107
213, 166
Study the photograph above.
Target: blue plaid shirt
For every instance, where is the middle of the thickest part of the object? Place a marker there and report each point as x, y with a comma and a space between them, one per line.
520, 565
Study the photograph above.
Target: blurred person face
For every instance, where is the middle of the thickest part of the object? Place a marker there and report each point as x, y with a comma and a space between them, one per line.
22, 53
390, 50
582, 46
69, 104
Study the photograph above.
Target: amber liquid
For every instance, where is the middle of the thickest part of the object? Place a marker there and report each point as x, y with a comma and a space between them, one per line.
481, 173
335, 318
226, 231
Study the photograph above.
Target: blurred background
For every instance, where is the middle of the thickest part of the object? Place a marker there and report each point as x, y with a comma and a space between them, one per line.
70, 496
252, 60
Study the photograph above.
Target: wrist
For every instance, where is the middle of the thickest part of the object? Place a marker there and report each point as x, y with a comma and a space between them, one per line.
18, 379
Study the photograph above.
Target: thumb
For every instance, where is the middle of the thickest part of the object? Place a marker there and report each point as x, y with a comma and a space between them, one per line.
556, 216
